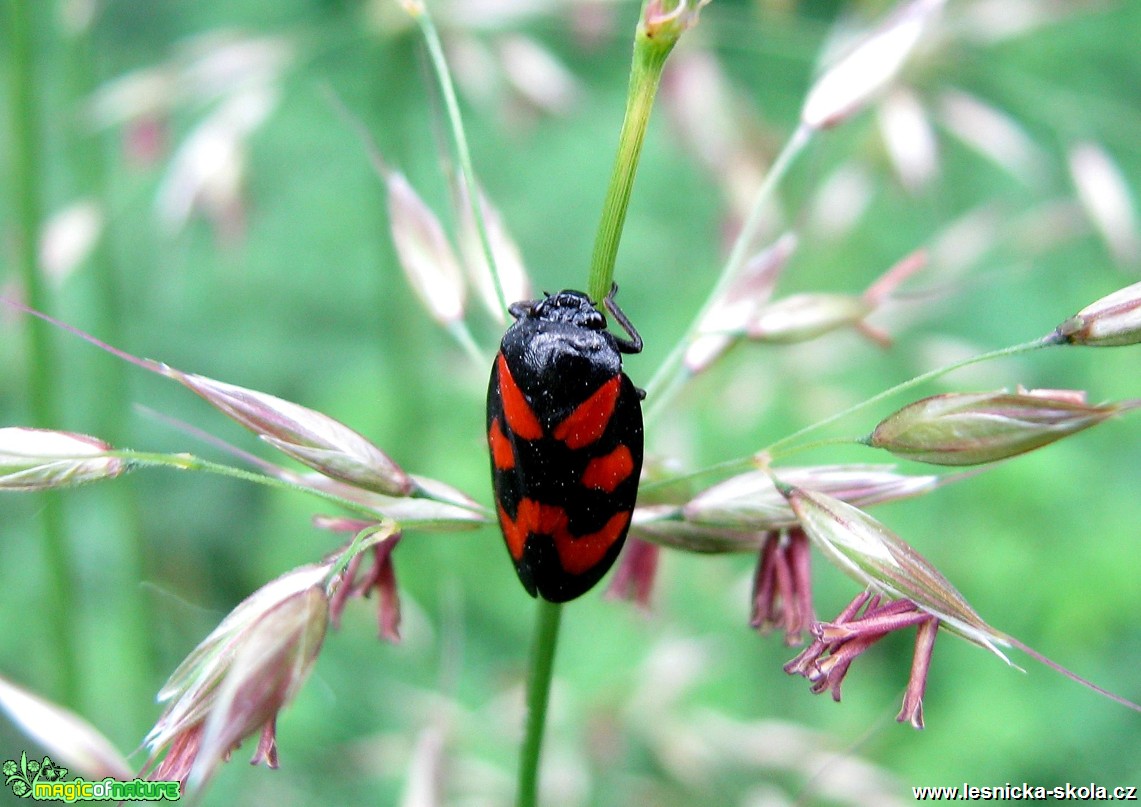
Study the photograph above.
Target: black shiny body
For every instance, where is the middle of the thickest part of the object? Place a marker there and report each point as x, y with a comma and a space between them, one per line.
559, 354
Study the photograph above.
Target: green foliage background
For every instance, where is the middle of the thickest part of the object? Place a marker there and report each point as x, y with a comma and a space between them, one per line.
310, 304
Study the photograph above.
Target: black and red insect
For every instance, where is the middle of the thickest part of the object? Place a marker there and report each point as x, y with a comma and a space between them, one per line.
564, 425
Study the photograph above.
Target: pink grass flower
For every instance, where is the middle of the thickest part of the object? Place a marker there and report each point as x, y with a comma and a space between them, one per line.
380, 576
866, 620
637, 570
782, 586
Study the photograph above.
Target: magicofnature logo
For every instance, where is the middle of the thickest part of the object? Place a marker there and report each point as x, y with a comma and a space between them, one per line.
43, 781
22, 776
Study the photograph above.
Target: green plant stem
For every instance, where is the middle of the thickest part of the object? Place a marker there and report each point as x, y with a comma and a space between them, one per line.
774, 449
544, 644
110, 406
26, 197
667, 380
740, 464
650, 53
420, 13
462, 334
645, 74
363, 540
41, 364
652, 45
778, 449
189, 462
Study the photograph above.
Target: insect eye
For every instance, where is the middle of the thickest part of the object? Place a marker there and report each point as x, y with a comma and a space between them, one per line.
594, 321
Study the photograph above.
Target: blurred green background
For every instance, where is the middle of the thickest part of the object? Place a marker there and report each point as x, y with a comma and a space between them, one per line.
282, 277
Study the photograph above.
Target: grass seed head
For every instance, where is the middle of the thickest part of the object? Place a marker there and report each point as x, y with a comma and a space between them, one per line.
424, 252
314, 439
1104, 194
974, 428
235, 682
851, 83
1112, 321
41, 459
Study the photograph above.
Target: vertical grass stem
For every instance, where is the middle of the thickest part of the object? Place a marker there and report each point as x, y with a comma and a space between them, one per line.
110, 405
652, 45
41, 364
420, 13
645, 75
543, 648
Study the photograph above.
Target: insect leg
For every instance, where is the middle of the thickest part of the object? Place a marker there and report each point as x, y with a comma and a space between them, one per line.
634, 343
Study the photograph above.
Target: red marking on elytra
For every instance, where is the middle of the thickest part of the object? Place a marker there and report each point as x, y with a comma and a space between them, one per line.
520, 417
577, 553
502, 454
608, 472
531, 518
581, 553
514, 532
589, 419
